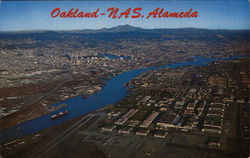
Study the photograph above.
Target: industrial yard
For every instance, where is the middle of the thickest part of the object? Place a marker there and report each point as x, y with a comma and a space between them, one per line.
205, 112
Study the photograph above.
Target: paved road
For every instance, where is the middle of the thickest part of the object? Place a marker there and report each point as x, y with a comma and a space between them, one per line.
64, 135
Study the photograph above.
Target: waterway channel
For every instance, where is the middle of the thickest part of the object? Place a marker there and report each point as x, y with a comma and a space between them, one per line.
111, 93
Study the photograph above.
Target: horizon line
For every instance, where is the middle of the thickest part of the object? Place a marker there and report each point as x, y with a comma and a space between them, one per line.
36, 30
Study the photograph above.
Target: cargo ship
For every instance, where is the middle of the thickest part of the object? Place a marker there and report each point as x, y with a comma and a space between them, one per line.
60, 114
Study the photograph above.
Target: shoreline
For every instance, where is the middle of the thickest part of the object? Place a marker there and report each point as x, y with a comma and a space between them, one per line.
167, 66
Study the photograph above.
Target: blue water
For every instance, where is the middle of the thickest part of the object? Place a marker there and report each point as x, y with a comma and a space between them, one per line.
112, 92
111, 56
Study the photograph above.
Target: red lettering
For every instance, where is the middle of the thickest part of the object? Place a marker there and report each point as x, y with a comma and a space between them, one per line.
173, 15
187, 14
165, 14
125, 13
80, 15
113, 12
181, 14
75, 12
57, 11
138, 14
153, 13
63, 15
87, 15
70, 13
194, 14
94, 14
159, 14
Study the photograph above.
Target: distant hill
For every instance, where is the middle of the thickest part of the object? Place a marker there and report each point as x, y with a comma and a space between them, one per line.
126, 32
119, 28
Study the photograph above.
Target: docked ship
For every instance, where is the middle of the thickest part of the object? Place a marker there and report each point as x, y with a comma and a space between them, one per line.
60, 114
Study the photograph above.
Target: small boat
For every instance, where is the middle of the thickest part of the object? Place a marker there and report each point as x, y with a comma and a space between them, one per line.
53, 116
60, 114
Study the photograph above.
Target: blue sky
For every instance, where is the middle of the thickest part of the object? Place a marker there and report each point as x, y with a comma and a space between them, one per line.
32, 15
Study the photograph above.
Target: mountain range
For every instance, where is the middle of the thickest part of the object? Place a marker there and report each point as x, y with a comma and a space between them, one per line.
127, 32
